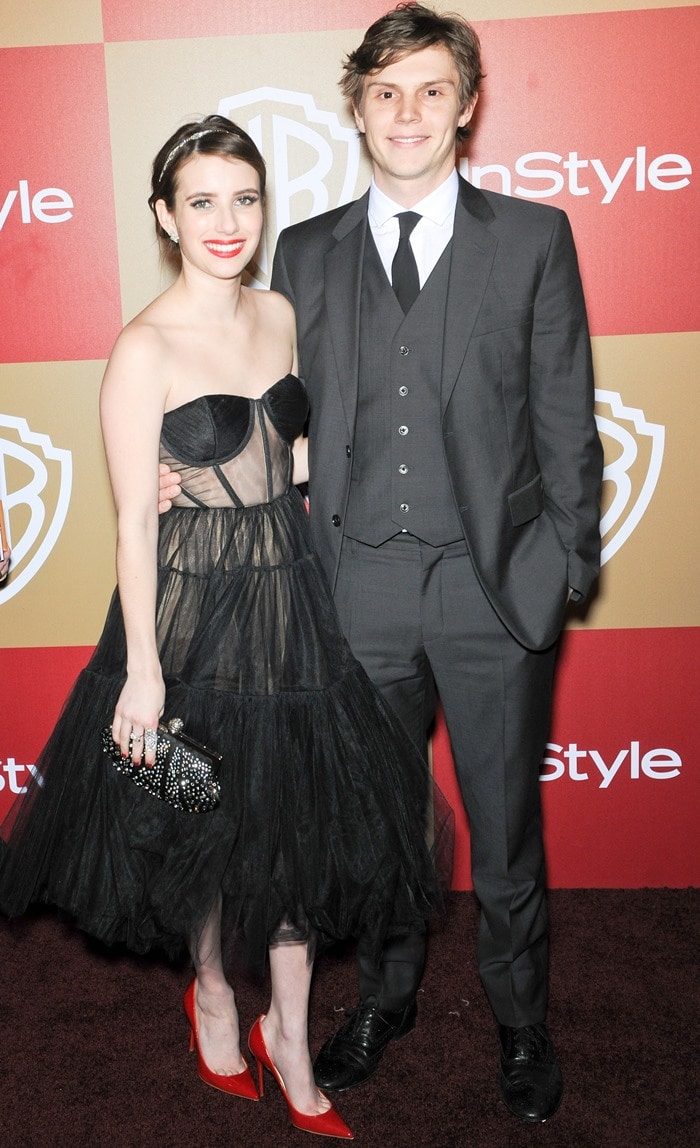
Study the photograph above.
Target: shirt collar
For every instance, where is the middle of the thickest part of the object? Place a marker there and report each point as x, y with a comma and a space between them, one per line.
438, 206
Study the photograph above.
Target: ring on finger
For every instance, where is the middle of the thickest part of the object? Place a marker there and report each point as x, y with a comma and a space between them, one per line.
150, 740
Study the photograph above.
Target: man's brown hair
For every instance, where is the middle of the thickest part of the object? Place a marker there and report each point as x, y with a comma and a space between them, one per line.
407, 29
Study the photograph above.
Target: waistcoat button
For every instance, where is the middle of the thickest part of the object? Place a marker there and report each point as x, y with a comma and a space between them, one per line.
403, 469
403, 391
336, 520
404, 508
403, 430
403, 350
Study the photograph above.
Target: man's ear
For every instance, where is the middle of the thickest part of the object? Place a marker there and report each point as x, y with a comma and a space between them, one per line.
467, 111
357, 112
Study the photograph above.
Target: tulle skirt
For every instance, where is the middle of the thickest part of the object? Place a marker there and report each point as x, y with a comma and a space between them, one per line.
329, 824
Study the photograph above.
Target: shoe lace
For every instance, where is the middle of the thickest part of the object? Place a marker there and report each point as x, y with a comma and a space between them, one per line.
359, 1018
530, 1042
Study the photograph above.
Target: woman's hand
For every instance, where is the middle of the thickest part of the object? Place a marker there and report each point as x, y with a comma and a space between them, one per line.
139, 708
168, 487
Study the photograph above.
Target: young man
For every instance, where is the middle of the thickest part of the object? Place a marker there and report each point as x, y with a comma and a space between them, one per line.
455, 471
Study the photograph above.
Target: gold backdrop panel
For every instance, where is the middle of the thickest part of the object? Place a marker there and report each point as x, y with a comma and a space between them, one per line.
67, 585
650, 578
32, 22
155, 86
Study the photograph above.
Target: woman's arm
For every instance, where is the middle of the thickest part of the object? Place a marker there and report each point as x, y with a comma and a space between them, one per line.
132, 402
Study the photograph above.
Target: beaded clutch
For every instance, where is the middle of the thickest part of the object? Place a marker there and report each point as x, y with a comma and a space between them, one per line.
184, 773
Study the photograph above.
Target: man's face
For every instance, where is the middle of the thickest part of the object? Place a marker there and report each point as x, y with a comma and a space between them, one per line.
409, 115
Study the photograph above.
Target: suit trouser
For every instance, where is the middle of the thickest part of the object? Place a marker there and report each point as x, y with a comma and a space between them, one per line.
417, 618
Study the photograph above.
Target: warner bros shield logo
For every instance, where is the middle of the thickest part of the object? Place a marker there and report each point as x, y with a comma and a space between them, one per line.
313, 161
634, 450
35, 487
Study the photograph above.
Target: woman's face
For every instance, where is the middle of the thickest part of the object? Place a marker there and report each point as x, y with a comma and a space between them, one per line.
218, 216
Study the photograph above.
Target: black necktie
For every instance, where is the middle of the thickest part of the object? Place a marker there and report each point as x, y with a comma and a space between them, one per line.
404, 272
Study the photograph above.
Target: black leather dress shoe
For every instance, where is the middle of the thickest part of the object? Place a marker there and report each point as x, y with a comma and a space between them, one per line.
530, 1076
351, 1056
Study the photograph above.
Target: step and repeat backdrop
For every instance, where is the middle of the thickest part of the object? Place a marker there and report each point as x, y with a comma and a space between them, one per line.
590, 106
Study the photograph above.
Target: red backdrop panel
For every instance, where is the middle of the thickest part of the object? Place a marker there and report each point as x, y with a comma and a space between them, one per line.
623, 789
585, 101
35, 684
134, 20
61, 296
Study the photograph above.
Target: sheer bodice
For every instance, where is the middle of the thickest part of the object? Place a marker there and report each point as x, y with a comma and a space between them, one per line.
234, 451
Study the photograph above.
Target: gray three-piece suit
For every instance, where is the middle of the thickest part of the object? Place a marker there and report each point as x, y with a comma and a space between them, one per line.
455, 474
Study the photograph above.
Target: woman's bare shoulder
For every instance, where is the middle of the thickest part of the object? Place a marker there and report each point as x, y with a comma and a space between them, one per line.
145, 337
274, 306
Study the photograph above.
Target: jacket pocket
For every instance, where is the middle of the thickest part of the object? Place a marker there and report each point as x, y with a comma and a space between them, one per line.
527, 502
495, 318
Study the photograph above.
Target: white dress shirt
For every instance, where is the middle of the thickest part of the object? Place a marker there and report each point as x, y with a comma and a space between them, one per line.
431, 234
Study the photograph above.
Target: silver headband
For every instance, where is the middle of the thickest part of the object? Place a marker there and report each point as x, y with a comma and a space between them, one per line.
190, 139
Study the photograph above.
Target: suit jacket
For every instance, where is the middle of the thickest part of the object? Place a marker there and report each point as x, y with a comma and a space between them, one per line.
519, 435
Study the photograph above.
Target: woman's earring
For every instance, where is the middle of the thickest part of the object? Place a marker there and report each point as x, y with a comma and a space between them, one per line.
175, 238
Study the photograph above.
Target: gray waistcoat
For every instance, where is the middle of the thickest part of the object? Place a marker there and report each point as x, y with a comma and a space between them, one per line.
399, 475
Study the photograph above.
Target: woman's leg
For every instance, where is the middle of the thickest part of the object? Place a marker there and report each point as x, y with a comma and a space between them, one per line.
286, 1026
215, 1006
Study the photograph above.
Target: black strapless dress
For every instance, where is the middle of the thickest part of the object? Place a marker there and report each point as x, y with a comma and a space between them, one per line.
329, 826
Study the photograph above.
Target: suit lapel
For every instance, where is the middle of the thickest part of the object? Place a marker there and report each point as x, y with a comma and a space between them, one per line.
473, 252
343, 285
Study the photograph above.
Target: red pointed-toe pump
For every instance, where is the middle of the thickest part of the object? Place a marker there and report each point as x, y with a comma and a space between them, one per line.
240, 1084
326, 1123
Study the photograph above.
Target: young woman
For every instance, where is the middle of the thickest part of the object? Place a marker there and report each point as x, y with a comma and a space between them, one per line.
223, 618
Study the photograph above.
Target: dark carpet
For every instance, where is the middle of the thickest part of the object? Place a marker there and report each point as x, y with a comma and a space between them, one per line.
94, 1047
